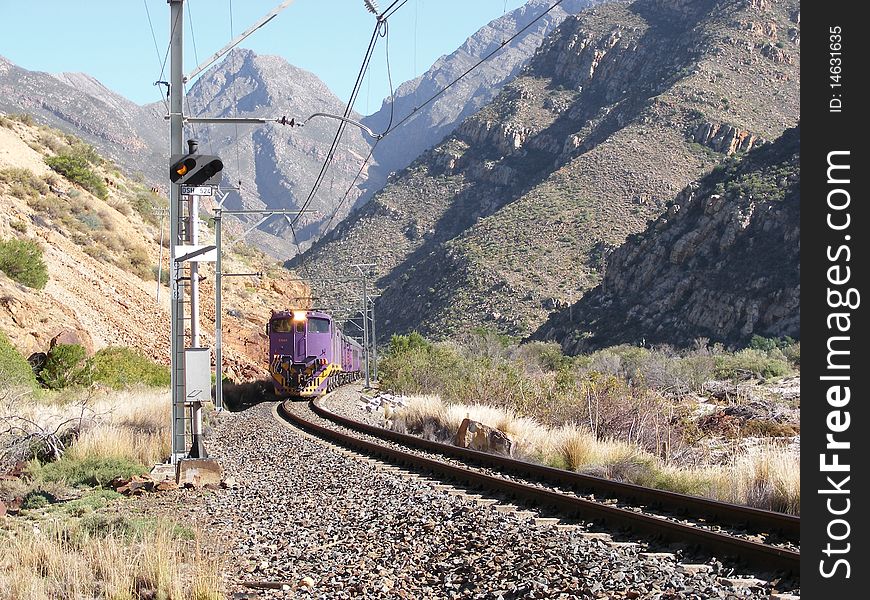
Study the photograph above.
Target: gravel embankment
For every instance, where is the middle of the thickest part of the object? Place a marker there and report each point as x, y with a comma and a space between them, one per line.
314, 522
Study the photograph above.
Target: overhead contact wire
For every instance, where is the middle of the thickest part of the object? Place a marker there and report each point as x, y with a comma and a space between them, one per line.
390, 10
342, 125
472, 68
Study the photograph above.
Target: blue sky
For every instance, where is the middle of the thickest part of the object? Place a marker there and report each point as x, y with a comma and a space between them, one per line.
113, 40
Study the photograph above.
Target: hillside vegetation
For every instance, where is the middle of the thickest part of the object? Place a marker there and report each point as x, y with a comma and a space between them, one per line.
704, 421
80, 253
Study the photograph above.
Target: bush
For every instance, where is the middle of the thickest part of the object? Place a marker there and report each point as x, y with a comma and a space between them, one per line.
90, 470
22, 118
399, 344
138, 262
751, 362
22, 261
119, 367
36, 499
146, 203
14, 370
793, 353
76, 168
66, 365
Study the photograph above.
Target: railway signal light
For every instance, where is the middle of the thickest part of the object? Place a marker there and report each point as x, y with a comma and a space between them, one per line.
195, 169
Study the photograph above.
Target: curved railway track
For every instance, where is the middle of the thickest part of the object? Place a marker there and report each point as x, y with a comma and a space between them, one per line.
658, 514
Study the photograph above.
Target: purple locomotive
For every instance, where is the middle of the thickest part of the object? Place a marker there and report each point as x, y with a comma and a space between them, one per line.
309, 355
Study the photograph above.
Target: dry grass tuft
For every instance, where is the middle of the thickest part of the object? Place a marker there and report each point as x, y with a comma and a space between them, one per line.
65, 560
132, 425
766, 476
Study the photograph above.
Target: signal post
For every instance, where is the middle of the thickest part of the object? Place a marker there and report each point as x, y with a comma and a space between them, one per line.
192, 175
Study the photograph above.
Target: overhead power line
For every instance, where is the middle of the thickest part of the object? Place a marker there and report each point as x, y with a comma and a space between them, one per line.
338, 134
472, 68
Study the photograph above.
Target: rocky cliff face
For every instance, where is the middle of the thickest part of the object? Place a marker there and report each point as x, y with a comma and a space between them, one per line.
514, 213
722, 262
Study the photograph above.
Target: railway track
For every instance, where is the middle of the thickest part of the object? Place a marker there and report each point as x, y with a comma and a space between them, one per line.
666, 517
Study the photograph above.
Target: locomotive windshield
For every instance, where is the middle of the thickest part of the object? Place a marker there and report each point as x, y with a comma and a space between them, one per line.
282, 325
316, 325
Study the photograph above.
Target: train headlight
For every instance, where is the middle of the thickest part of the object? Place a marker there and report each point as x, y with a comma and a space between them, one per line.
299, 315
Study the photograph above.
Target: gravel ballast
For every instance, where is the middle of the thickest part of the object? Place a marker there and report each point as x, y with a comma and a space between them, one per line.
307, 520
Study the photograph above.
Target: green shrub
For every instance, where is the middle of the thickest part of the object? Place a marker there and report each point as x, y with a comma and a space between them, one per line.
91, 220
793, 353
119, 367
22, 261
77, 168
88, 471
146, 204
90, 501
546, 356
36, 499
767, 344
400, 344
50, 141
22, 118
66, 365
138, 262
751, 362
14, 370
161, 274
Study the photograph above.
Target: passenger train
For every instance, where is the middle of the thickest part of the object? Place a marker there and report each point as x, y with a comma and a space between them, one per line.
309, 355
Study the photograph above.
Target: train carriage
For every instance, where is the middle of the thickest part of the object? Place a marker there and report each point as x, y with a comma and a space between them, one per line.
309, 355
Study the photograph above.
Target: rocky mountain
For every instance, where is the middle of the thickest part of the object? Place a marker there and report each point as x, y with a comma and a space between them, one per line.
723, 262
134, 137
432, 122
514, 214
276, 165
102, 253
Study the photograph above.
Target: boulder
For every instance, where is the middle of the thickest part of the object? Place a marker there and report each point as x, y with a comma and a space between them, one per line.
477, 436
136, 485
78, 337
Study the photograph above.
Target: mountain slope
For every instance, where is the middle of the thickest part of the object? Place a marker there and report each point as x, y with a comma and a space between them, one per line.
431, 123
102, 257
132, 136
623, 105
723, 262
277, 165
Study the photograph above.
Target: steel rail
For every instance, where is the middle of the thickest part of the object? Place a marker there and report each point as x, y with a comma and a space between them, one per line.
733, 515
742, 550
